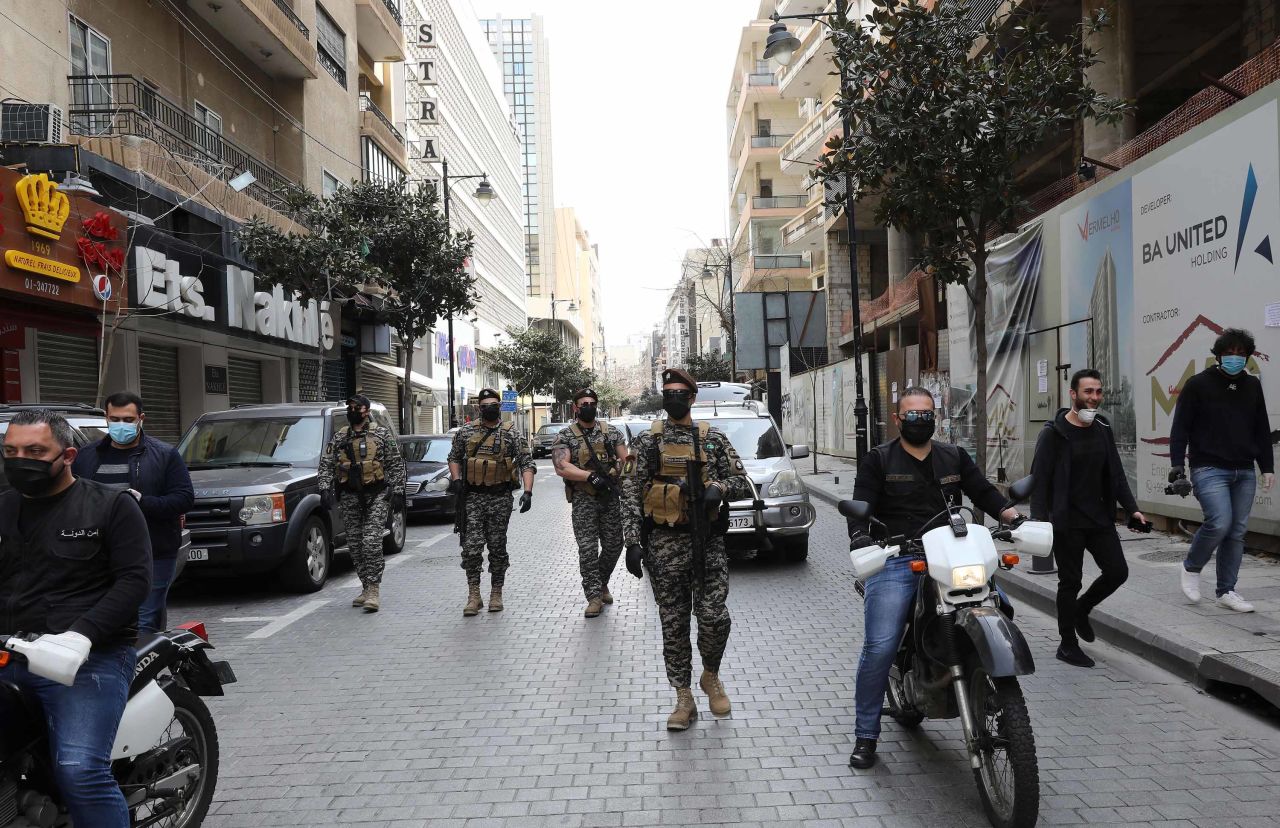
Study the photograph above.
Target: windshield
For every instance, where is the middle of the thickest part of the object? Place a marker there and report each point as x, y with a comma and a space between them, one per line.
426, 451
279, 441
755, 438
554, 428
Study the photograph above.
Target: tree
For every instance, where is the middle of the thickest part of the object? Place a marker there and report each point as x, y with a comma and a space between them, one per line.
650, 402
940, 125
709, 367
538, 361
612, 398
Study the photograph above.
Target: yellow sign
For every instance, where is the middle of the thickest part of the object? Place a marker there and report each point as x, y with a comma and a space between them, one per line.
43, 206
41, 266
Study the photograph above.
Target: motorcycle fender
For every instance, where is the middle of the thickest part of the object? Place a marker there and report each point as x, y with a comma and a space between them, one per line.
146, 717
1000, 645
201, 676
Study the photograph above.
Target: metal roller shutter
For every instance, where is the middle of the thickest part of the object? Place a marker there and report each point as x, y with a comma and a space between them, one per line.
158, 385
68, 368
380, 386
244, 381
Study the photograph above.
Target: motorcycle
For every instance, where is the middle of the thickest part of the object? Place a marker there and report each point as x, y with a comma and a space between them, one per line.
961, 653
165, 757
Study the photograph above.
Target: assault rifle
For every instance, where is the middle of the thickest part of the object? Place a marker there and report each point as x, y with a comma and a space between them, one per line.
594, 465
460, 508
699, 528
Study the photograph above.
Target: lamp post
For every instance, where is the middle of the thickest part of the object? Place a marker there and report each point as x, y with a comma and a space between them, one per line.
781, 47
733, 323
484, 194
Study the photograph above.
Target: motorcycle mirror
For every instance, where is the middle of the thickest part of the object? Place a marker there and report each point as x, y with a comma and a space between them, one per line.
1021, 490
856, 509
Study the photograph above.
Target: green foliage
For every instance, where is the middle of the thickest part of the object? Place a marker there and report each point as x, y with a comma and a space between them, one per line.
709, 367
612, 398
538, 361
650, 402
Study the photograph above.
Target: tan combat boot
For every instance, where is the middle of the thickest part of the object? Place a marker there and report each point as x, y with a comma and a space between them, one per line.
686, 711
371, 602
606, 596
495, 599
594, 607
473, 600
717, 699
358, 601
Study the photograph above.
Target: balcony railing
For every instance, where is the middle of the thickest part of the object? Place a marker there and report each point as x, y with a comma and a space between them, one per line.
775, 202
367, 105
778, 262
762, 79
758, 141
119, 105
393, 6
287, 8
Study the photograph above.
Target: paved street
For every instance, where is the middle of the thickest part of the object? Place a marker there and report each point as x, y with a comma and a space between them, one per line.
417, 716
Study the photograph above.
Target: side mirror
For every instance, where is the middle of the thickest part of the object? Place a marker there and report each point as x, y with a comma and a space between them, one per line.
856, 509
1021, 490
799, 452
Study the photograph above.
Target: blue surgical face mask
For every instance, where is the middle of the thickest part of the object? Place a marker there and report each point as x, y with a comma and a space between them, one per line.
1233, 363
122, 433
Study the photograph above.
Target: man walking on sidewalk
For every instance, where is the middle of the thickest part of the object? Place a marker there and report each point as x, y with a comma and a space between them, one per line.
1221, 420
1078, 481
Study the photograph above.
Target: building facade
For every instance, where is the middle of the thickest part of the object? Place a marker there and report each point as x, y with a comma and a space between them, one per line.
577, 274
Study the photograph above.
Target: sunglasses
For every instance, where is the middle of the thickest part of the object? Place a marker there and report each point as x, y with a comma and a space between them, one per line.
676, 394
917, 417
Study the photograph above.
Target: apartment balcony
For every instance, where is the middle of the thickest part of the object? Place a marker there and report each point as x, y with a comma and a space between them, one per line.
268, 32
811, 68
380, 30
775, 272
808, 143
786, 7
806, 232
117, 106
375, 124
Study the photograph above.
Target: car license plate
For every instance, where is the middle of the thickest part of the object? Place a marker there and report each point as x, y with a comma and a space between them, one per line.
740, 523
197, 554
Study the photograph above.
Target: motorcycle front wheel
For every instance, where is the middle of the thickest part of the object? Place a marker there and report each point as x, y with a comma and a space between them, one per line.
193, 729
1008, 777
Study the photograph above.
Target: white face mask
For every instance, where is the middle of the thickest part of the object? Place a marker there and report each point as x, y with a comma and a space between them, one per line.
1086, 415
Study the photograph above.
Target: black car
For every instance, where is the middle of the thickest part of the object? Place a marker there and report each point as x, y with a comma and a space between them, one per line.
426, 459
545, 437
257, 506
87, 423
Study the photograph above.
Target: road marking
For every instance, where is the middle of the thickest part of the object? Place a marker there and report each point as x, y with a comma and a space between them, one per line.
432, 541
250, 619
285, 620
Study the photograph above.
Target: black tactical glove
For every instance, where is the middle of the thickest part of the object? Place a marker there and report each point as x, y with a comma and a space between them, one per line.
1178, 482
598, 481
526, 502
635, 553
455, 486
860, 541
397, 502
713, 496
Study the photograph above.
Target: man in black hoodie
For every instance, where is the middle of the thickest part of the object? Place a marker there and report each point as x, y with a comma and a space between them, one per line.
1078, 481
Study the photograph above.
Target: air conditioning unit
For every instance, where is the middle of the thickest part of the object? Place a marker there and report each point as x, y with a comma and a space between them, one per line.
31, 122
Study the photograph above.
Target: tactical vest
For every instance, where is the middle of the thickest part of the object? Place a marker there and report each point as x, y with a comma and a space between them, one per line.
665, 503
496, 468
585, 450
360, 461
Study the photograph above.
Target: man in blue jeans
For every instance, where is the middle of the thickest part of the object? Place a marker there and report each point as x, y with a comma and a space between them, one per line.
155, 474
1221, 421
75, 565
907, 482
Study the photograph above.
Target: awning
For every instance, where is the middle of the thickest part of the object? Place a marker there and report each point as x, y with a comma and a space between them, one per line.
422, 384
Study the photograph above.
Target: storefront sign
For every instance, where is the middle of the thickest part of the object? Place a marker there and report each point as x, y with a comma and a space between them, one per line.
41, 266
160, 284
215, 379
274, 314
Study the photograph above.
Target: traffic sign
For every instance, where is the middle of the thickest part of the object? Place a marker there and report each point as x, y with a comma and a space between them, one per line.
508, 401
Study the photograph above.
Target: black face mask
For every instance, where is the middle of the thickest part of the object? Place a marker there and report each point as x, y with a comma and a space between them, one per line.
676, 408
354, 416
490, 413
33, 478
918, 433
587, 412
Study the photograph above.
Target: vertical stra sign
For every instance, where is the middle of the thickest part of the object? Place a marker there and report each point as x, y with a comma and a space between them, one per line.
423, 107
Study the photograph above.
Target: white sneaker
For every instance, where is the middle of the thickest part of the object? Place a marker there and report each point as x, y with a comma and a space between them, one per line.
1233, 601
1191, 586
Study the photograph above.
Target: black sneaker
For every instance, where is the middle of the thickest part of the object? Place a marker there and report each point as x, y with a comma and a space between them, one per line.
1083, 627
1073, 655
864, 754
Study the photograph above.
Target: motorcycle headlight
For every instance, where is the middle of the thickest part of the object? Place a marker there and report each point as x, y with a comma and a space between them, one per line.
785, 484
260, 509
968, 577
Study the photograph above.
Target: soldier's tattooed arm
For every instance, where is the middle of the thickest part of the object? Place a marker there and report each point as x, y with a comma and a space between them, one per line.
560, 458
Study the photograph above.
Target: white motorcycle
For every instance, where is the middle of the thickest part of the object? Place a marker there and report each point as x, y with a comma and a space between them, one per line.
961, 653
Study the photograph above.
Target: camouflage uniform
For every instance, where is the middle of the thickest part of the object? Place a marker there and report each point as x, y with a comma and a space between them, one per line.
489, 512
364, 516
597, 518
669, 556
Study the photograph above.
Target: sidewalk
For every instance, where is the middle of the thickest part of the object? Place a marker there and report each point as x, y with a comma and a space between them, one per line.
1149, 615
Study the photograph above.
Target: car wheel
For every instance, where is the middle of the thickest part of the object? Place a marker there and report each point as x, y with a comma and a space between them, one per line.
307, 567
794, 549
393, 543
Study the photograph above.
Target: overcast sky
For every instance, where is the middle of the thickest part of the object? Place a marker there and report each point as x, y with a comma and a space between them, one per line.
638, 135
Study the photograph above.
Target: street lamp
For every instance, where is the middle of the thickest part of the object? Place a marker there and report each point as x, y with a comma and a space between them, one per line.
484, 194
733, 324
781, 46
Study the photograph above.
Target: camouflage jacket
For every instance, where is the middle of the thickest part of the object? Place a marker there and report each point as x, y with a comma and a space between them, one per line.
723, 466
508, 443
612, 439
388, 447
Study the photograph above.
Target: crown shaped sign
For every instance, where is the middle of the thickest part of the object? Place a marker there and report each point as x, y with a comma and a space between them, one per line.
43, 206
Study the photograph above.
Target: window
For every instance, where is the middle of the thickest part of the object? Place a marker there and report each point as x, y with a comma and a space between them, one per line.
329, 183
764, 127
766, 188
331, 46
91, 60
210, 136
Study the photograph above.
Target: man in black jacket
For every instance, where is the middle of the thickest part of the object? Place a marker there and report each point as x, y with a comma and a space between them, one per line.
1078, 481
75, 564
1222, 417
907, 482
155, 474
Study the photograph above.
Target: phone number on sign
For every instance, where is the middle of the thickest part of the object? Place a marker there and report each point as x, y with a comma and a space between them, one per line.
36, 286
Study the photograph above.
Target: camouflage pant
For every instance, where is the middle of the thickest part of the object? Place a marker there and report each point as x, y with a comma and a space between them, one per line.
364, 526
487, 519
669, 563
597, 527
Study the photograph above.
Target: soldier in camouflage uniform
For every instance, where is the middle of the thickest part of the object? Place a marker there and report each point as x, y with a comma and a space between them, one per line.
592, 489
485, 460
656, 517
362, 466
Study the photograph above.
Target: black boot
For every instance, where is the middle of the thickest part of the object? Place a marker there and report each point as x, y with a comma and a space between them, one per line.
1070, 652
1083, 628
864, 754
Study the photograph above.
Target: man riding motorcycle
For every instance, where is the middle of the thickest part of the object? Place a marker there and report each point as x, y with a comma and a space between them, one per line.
907, 482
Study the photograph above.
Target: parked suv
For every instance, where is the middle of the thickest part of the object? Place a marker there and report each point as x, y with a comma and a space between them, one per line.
787, 513
257, 509
87, 423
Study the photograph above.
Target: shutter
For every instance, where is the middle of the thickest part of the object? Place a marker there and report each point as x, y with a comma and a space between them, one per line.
158, 367
380, 386
68, 368
338, 384
244, 381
